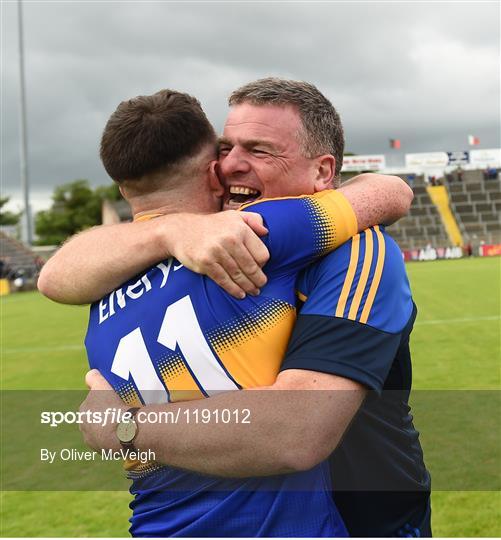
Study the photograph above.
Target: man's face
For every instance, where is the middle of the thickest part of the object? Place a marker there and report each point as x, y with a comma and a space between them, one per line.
260, 155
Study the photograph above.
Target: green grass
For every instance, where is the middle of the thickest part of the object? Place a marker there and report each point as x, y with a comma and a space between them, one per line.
41, 349
48, 338
463, 353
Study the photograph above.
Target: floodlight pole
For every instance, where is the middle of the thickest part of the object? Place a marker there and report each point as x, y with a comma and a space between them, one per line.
23, 153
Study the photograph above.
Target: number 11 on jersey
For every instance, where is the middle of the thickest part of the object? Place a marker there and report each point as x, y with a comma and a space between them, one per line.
180, 328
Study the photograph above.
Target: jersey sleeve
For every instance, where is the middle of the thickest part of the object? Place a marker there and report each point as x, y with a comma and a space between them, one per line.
357, 309
304, 228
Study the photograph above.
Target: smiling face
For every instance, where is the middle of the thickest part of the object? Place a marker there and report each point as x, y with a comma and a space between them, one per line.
260, 155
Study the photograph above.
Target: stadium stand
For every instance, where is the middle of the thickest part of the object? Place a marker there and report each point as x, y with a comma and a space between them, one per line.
423, 226
476, 203
19, 260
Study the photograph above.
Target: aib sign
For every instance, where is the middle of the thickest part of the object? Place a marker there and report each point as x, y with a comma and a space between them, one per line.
458, 158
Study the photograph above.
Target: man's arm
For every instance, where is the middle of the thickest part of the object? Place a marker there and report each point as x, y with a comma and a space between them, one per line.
387, 200
95, 262
224, 246
289, 426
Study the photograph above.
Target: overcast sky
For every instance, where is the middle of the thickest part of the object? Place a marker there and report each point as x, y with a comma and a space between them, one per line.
425, 72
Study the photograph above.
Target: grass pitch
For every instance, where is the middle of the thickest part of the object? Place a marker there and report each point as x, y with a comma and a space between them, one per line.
455, 344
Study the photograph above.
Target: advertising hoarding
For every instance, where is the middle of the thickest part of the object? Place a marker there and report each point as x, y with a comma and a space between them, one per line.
374, 162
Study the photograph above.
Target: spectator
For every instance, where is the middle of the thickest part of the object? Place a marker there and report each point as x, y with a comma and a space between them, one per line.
491, 173
459, 174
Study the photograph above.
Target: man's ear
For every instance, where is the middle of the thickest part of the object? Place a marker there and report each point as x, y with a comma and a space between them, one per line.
326, 170
214, 182
122, 191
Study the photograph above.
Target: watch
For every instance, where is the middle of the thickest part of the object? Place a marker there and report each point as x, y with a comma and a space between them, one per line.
127, 430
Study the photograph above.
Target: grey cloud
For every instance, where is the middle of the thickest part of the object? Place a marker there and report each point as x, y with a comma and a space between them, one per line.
427, 73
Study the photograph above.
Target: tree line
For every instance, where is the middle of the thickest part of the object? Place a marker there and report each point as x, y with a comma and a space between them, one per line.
75, 206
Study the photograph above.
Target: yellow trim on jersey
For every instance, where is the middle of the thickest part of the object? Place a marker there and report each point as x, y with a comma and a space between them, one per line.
256, 361
146, 217
377, 276
339, 213
181, 384
364, 276
350, 275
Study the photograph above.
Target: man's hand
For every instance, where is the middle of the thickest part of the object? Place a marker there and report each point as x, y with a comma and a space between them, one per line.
225, 246
101, 397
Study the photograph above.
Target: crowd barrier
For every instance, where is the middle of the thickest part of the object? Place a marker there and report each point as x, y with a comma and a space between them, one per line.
489, 250
430, 253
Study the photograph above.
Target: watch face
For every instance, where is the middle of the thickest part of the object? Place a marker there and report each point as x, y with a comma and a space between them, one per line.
126, 431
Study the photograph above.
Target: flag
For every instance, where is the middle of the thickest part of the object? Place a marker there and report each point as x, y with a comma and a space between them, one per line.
395, 143
472, 140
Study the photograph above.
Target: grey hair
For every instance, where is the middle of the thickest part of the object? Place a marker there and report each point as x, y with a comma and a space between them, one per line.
322, 131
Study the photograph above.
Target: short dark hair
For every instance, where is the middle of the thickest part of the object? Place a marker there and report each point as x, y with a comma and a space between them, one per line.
322, 127
150, 133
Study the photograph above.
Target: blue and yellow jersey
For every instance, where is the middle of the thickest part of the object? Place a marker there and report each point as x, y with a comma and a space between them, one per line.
170, 334
355, 323
359, 299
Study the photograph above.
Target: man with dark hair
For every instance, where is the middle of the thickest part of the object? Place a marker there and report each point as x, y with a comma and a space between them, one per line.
259, 142
168, 126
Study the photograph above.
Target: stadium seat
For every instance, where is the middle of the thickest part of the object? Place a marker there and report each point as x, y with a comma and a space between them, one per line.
490, 217
459, 197
475, 227
470, 218
419, 190
492, 185
483, 207
478, 196
473, 187
427, 220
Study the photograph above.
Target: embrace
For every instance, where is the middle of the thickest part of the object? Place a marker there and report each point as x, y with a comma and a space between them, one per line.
250, 280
